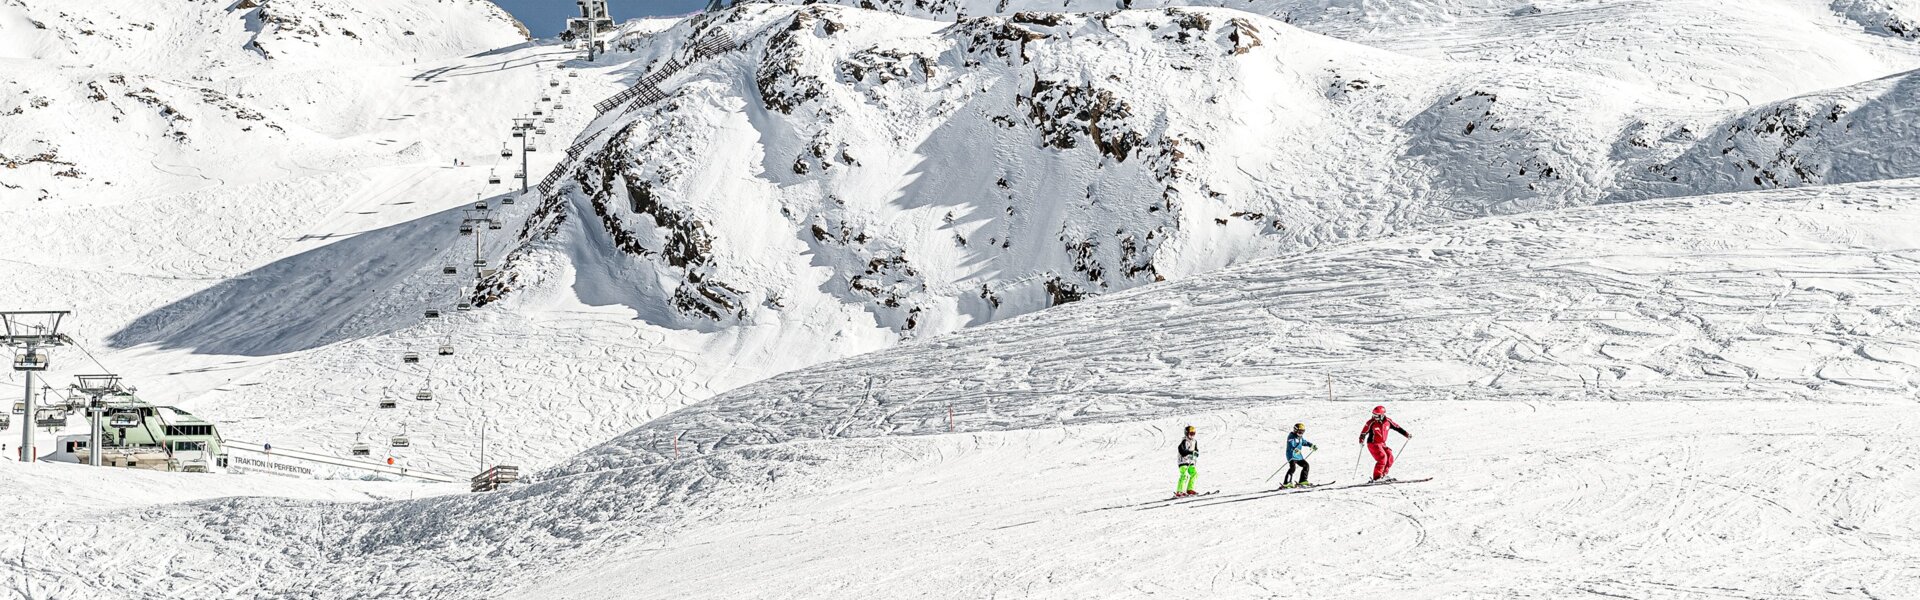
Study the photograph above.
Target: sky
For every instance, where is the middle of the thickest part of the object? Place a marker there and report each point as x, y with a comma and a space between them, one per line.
548, 17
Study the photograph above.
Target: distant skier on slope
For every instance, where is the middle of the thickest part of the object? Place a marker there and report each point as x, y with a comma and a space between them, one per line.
1189, 459
1295, 458
1374, 435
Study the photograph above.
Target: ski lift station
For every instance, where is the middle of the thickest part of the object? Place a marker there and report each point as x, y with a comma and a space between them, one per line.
142, 435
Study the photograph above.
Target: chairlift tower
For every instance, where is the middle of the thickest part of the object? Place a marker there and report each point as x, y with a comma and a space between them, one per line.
525, 127
97, 387
592, 20
480, 221
31, 333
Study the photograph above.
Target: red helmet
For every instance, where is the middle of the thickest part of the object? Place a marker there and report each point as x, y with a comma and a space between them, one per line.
1379, 410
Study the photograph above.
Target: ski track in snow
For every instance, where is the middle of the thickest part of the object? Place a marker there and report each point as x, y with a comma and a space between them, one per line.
1634, 400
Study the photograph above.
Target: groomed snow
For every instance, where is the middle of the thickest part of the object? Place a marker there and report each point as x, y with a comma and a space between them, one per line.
1647, 400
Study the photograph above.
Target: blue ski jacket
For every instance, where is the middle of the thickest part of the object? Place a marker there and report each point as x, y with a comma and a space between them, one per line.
1295, 442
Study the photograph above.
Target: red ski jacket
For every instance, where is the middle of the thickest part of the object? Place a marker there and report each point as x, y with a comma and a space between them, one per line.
1375, 431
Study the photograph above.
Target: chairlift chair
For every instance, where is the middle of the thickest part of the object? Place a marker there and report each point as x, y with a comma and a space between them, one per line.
519, 133
553, 83
449, 270
481, 205
537, 112
547, 120
446, 350
19, 408
6, 421
541, 131
506, 152
410, 357
493, 224
566, 91
558, 106
492, 179
573, 73
464, 305
401, 441
480, 263
50, 418
387, 403
433, 313
546, 98
31, 359
424, 395
507, 201
466, 229
123, 419
532, 148
360, 449
519, 174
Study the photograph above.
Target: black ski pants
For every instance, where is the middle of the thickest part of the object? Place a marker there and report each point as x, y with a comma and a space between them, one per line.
1302, 465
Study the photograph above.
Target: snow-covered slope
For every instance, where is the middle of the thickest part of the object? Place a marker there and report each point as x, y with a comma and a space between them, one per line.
1681, 51
1649, 398
835, 169
847, 179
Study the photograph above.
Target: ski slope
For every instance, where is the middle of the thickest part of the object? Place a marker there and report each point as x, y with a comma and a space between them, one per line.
1648, 400
882, 303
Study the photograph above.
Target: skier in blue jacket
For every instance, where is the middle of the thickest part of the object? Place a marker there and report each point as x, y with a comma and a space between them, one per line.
1295, 458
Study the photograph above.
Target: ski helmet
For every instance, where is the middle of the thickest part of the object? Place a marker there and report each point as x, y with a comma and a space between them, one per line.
1299, 426
1189, 429
1379, 410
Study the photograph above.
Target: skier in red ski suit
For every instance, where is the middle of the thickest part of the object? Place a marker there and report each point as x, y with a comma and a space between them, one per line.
1374, 435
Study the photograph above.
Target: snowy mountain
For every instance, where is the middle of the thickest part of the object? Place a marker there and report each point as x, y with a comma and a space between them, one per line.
835, 161
1661, 362
821, 191
930, 285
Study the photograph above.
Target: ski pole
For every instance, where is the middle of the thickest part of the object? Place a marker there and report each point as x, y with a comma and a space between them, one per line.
1283, 467
1357, 451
